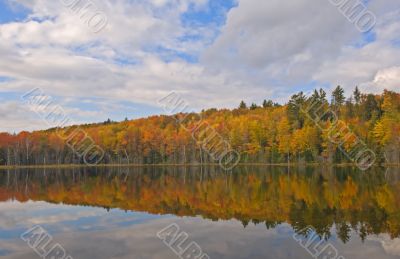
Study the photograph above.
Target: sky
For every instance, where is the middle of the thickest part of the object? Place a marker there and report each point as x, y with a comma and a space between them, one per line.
213, 53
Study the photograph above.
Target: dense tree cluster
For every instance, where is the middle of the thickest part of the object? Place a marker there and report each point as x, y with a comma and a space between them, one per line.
270, 133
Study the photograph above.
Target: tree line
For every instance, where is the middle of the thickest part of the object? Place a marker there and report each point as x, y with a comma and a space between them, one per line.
267, 133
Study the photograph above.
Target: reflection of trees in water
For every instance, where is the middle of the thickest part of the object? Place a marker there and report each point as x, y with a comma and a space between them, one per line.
325, 198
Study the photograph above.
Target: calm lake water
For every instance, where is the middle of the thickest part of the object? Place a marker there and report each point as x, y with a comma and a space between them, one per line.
253, 212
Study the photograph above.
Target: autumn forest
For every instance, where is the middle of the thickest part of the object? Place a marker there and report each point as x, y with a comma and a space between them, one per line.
267, 133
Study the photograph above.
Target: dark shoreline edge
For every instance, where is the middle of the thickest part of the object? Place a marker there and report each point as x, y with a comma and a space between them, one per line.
186, 165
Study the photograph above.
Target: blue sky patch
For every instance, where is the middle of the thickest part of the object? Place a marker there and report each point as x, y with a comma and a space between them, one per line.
5, 79
12, 12
215, 13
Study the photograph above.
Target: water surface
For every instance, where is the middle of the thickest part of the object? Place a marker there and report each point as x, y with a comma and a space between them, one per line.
252, 212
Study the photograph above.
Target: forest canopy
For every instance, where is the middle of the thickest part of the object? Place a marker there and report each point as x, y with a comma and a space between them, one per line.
266, 133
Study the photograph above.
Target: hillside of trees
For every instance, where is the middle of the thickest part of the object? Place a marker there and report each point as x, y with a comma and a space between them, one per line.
267, 133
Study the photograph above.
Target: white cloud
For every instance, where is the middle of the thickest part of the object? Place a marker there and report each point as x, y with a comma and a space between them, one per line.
390, 245
12, 214
388, 78
259, 34
301, 41
15, 117
266, 49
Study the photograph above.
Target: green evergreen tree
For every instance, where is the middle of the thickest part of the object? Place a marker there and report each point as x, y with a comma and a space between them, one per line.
357, 95
338, 96
268, 104
253, 106
242, 105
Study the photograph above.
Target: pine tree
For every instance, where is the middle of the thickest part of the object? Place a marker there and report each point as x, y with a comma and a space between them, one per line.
253, 106
357, 95
350, 108
242, 105
268, 104
295, 106
369, 107
337, 98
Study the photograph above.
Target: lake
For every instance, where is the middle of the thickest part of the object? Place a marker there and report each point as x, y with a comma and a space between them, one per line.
194, 212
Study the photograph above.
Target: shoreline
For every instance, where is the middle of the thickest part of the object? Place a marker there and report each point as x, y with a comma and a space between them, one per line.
61, 166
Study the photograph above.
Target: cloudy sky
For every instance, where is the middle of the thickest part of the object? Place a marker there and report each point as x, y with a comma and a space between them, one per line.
214, 53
